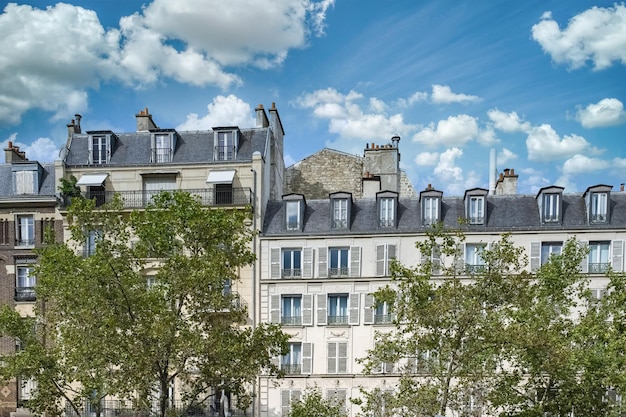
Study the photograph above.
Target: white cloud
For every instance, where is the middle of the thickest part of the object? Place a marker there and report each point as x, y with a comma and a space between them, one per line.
414, 98
41, 149
377, 106
597, 35
454, 131
289, 160
544, 144
606, 112
443, 94
447, 172
223, 111
508, 122
427, 158
505, 155
581, 164
487, 137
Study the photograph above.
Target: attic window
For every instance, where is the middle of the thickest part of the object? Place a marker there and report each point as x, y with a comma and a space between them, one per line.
100, 145
551, 205
163, 146
294, 211
387, 208
226, 144
26, 178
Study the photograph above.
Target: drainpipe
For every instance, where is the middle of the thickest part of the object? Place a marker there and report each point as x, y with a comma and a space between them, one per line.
254, 280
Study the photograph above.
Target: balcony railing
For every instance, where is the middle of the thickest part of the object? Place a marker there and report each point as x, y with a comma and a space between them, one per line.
383, 318
140, 198
337, 319
25, 294
474, 269
291, 320
291, 369
292, 273
339, 272
598, 268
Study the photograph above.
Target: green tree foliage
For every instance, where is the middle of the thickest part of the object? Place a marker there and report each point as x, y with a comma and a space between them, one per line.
150, 306
312, 404
496, 339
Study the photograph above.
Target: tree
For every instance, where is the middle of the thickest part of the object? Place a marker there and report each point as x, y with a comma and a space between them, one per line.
148, 305
312, 404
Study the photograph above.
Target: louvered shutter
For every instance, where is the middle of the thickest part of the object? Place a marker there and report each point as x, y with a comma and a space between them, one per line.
89, 150
322, 262
307, 309
275, 309
153, 149
535, 256
391, 255
353, 314
436, 260
322, 314
275, 263
307, 358
108, 149
617, 262
584, 263
342, 357
355, 261
331, 355
380, 260
285, 402
459, 261
368, 309
307, 262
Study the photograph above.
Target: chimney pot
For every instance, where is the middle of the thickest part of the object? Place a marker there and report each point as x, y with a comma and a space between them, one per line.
512, 172
11, 145
621, 187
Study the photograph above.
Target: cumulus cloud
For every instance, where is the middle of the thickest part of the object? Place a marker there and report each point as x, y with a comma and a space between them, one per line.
443, 94
347, 118
505, 156
412, 99
606, 112
544, 144
426, 159
53, 57
454, 131
223, 111
597, 35
487, 137
41, 149
449, 173
581, 164
508, 122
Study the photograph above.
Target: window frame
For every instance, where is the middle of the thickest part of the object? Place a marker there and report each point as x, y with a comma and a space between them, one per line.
338, 309
226, 142
551, 207
99, 148
294, 257
25, 282
292, 212
474, 263
549, 249
295, 311
291, 362
339, 270
25, 234
601, 251
599, 210
476, 209
339, 209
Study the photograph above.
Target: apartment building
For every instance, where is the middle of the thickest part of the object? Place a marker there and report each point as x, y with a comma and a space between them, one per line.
321, 258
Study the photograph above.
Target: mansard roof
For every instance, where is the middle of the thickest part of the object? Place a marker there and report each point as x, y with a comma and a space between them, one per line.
46, 182
503, 213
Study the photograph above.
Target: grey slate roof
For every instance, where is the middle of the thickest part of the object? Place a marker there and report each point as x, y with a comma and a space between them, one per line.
504, 213
193, 147
46, 185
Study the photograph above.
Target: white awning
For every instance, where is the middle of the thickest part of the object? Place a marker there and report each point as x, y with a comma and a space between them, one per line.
92, 180
221, 177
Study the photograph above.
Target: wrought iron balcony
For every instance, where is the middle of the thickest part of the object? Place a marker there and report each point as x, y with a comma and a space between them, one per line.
337, 319
141, 198
475, 269
292, 273
339, 272
598, 268
383, 318
291, 369
25, 294
291, 320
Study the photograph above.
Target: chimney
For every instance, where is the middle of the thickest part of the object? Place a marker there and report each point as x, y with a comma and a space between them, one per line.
507, 182
261, 117
144, 121
621, 187
77, 117
13, 154
74, 126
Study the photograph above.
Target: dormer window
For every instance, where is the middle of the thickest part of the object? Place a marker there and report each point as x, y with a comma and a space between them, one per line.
430, 202
340, 210
226, 144
549, 200
597, 201
163, 146
100, 145
475, 205
387, 208
294, 211
26, 177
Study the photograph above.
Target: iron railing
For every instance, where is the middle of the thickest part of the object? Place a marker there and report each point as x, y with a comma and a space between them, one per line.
113, 408
292, 273
337, 319
25, 294
339, 272
598, 268
383, 318
291, 320
291, 369
141, 198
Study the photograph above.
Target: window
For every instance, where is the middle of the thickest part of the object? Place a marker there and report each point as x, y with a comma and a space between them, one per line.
337, 309
288, 397
338, 262
337, 397
384, 256
225, 146
383, 313
291, 363
163, 148
340, 213
223, 194
422, 362
387, 212
551, 207
27, 390
292, 263
476, 209
25, 283
430, 210
153, 185
25, 181
598, 257
337, 355
25, 233
474, 262
99, 149
291, 313
91, 241
548, 249
599, 207
293, 215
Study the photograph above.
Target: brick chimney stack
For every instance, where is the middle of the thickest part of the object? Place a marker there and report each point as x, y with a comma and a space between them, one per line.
144, 121
74, 125
13, 154
507, 182
261, 117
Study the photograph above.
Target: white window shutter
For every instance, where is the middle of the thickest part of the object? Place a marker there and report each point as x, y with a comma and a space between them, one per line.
331, 355
380, 260
459, 259
355, 261
355, 305
307, 309
342, 357
391, 255
584, 263
108, 150
307, 358
275, 263
535, 256
285, 401
307, 262
322, 262
618, 255
275, 309
368, 309
322, 315
90, 150
436, 260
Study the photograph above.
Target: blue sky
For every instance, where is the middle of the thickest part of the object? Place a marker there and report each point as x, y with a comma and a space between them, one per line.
541, 82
